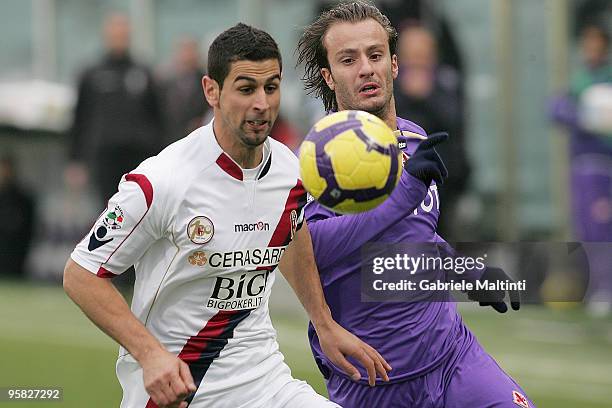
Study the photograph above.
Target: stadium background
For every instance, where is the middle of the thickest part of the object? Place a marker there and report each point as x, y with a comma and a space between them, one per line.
517, 53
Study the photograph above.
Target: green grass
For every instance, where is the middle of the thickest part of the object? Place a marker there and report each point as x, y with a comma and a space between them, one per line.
561, 358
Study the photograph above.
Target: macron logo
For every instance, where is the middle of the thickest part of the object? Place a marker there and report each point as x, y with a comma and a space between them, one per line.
256, 226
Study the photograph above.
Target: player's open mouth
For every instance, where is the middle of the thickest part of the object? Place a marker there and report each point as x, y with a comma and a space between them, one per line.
371, 88
257, 124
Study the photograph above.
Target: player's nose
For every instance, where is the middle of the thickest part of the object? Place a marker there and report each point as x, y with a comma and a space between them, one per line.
260, 103
365, 67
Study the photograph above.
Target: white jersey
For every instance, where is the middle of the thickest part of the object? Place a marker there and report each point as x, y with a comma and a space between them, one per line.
205, 237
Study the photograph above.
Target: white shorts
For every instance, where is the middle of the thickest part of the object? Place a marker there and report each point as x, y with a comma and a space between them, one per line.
275, 389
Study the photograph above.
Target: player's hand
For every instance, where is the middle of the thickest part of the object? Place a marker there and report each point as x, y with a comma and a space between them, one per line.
337, 344
167, 379
425, 163
495, 298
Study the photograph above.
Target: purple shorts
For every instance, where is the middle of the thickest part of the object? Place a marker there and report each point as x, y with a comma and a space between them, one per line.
469, 378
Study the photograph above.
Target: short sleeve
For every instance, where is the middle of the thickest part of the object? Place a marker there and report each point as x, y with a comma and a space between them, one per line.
122, 233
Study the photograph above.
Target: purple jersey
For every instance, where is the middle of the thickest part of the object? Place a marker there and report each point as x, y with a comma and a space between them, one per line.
414, 337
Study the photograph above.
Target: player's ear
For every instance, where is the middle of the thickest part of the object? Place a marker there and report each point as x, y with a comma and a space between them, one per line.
329, 79
212, 90
394, 66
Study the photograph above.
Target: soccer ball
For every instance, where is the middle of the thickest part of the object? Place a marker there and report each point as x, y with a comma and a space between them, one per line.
350, 161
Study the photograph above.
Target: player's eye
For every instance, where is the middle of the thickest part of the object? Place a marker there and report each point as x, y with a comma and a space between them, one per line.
245, 90
346, 61
271, 88
376, 57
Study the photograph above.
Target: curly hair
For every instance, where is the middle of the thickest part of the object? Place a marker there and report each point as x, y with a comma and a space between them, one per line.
312, 53
238, 43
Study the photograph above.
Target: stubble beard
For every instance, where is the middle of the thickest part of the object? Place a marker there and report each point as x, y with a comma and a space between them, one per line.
252, 140
379, 110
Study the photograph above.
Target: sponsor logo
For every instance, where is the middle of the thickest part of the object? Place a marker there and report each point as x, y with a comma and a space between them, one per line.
309, 198
200, 230
246, 258
293, 217
239, 292
96, 239
256, 226
402, 145
519, 399
114, 218
198, 258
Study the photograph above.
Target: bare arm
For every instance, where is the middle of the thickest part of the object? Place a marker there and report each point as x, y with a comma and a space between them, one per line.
167, 379
298, 266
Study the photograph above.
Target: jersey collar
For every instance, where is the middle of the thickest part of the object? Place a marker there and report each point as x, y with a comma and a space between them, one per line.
228, 165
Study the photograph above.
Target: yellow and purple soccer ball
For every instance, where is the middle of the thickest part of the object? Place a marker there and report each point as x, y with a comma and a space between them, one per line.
350, 161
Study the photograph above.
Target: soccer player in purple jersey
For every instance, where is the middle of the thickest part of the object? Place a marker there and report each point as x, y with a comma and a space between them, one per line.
350, 63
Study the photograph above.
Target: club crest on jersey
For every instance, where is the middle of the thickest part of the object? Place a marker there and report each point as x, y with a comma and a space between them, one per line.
114, 218
198, 258
293, 218
200, 230
519, 399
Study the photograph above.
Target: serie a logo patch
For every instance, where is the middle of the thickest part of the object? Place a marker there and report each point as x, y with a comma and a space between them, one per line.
114, 218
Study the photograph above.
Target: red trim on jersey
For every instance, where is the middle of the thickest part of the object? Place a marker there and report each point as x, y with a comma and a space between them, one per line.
213, 330
200, 350
282, 233
229, 166
105, 273
144, 184
151, 404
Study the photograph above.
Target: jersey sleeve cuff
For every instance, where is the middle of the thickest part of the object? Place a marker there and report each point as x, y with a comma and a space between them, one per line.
96, 269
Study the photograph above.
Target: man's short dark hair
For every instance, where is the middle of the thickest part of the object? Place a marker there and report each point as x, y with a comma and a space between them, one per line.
312, 52
238, 43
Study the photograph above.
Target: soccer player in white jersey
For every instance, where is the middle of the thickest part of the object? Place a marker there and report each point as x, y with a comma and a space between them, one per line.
206, 224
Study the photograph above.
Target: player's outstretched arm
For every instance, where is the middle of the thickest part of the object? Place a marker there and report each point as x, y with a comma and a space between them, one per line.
356, 230
298, 267
493, 298
167, 379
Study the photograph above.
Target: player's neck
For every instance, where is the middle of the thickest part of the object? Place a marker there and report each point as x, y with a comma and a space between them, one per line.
389, 116
247, 157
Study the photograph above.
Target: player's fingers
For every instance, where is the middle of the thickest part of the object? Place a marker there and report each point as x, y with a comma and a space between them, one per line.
501, 307
433, 141
160, 397
437, 177
377, 360
379, 367
515, 299
185, 374
368, 363
170, 396
178, 387
158, 392
347, 367
379, 357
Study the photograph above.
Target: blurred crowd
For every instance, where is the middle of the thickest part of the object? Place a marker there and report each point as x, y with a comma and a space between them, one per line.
127, 110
